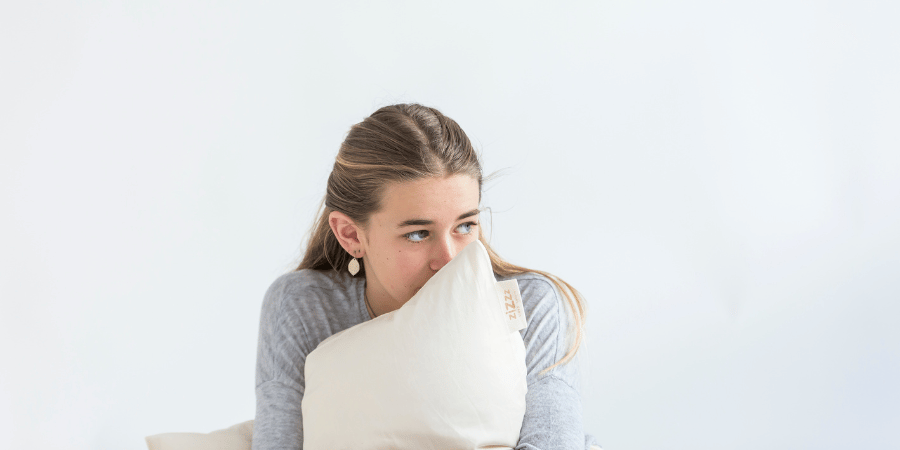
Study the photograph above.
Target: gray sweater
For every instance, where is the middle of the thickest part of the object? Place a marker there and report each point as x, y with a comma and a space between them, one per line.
303, 308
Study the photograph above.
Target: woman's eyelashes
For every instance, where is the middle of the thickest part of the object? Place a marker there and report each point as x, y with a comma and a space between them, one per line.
417, 236
420, 235
466, 228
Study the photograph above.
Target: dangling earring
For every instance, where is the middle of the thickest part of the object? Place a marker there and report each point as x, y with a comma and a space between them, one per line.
353, 267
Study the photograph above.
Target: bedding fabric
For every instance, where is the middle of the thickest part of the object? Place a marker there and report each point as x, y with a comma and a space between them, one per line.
236, 437
446, 370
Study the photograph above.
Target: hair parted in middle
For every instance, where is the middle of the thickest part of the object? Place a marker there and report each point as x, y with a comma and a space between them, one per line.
398, 143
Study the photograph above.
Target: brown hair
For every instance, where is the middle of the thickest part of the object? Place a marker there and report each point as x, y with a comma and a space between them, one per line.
406, 142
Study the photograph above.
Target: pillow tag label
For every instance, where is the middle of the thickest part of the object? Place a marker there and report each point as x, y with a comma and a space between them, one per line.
511, 299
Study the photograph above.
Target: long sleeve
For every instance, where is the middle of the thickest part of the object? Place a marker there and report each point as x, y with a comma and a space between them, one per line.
553, 409
281, 354
303, 308
552, 417
300, 310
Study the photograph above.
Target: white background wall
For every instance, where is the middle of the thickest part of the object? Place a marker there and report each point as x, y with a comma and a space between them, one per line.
721, 181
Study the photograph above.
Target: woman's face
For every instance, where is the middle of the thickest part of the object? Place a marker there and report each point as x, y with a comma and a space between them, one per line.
421, 226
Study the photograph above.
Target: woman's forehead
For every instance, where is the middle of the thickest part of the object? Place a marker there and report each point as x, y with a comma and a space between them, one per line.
435, 198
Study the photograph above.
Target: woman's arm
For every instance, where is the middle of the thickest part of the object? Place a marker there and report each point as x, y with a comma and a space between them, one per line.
279, 423
553, 417
281, 354
553, 409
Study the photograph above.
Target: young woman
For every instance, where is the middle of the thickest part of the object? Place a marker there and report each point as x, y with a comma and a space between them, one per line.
402, 200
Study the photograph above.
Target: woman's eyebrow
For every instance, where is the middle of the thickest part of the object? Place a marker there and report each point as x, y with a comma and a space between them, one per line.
407, 223
468, 214
420, 222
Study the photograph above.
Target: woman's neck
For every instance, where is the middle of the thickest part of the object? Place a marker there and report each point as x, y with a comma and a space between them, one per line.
372, 314
378, 301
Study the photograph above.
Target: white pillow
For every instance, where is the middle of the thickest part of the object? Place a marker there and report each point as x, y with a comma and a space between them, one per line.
445, 371
236, 437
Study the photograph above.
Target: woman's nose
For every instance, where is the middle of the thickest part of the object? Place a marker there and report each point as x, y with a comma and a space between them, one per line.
444, 252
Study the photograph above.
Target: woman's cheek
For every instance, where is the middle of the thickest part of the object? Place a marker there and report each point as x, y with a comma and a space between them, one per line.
411, 271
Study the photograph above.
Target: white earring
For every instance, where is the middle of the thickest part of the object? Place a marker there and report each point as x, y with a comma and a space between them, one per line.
353, 267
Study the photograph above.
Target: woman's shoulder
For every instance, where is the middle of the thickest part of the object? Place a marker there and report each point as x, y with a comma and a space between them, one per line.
534, 287
310, 279
546, 335
307, 290
541, 298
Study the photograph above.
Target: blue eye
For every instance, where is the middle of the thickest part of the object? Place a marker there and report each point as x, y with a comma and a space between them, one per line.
466, 228
417, 236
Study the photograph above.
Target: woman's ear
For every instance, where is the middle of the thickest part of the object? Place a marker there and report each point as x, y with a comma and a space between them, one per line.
347, 233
